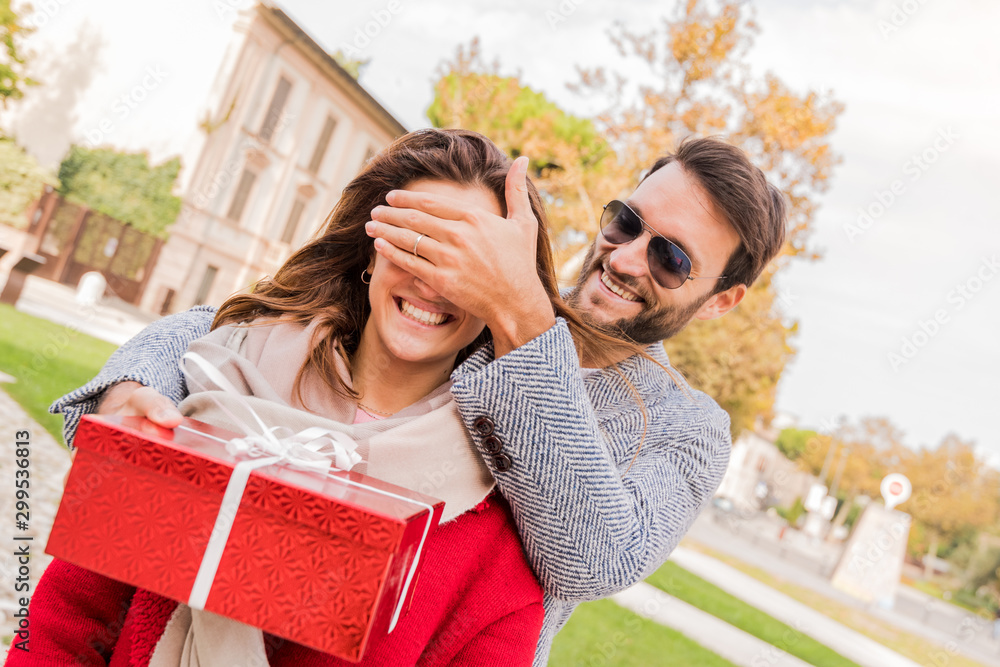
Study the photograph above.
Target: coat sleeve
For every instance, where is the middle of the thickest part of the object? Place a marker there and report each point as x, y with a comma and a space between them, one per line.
76, 617
588, 530
150, 358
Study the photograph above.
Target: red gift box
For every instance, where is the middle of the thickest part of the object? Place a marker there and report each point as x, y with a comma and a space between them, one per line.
323, 560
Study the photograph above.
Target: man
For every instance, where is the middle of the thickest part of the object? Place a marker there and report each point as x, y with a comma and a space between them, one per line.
602, 485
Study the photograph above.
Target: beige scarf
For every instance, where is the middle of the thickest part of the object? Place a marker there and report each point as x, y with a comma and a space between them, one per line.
425, 448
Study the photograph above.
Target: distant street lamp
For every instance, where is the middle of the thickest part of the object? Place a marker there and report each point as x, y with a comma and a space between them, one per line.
845, 453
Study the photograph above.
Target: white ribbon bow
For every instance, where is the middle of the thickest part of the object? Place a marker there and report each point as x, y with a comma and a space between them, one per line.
313, 449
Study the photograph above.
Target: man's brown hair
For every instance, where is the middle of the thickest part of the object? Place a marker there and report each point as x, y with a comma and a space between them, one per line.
754, 207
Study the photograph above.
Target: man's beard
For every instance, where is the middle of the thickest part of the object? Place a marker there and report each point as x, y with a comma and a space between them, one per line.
650, 326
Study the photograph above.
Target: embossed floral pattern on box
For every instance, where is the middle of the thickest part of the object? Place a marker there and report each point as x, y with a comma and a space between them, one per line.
320, 561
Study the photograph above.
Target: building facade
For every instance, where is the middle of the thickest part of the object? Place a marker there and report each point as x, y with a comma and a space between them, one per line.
759, 475
287, 129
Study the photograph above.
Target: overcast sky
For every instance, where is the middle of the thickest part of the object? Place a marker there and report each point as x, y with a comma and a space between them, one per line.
920, 138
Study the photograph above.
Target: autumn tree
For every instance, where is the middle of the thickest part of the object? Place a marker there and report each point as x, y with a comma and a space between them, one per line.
692, 82
851, 460
688, 77
866, 452
571, 161
953, 491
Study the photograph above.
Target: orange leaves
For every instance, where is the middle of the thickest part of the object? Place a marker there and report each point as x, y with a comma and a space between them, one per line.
737, 359
952, 489
701, 42
685, 76
572, 163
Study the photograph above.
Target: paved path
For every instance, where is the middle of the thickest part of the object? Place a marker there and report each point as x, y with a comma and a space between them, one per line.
48, 464
111, 320
843, 640
716, 635
955, 630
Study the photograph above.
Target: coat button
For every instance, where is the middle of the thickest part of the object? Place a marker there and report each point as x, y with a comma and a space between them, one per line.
493, 444
502, 462
484, 426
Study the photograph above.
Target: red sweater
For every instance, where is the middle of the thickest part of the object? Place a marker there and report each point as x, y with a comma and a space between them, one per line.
477, 602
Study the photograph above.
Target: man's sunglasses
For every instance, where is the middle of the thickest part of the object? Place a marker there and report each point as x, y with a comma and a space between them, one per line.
668, 264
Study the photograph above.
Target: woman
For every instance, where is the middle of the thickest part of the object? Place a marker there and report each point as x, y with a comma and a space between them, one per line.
341, 332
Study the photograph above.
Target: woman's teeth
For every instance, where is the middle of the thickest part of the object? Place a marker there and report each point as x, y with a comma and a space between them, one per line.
628, 296
415, 313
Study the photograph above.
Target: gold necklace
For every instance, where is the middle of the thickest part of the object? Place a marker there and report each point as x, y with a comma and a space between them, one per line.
365, 408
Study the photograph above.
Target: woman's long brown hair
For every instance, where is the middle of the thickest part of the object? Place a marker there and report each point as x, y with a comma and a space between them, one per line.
322, 280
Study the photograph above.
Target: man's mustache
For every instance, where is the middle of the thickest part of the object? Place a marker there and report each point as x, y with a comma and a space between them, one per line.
626, 281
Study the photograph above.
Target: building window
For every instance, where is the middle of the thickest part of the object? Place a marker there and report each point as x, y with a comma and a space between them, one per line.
324, 142
274, 109
206, 284
293, 220
247, 179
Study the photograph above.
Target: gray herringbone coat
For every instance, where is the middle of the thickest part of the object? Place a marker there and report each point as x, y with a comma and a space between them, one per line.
589, 528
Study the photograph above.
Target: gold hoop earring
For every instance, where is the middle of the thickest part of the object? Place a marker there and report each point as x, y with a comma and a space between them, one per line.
365, 273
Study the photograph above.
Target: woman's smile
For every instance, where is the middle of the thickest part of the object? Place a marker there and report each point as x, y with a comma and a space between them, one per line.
410, 322
422, 314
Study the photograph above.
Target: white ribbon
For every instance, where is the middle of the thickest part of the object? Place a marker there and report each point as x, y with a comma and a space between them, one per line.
314, 449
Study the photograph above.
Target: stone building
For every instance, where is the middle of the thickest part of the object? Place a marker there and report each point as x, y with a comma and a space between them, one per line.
759, 475
286, 129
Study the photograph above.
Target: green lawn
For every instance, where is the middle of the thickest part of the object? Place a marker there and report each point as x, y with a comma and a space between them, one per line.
602, 633
915, 647
48, 360
697, 592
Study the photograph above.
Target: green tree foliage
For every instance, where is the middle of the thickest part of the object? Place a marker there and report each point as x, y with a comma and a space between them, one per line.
792, 442
352, 67
12, 62
21, 182
570, 157
123, 186
985, 575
